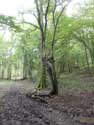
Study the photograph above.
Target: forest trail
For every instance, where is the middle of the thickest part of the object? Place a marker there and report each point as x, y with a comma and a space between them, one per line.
17, 109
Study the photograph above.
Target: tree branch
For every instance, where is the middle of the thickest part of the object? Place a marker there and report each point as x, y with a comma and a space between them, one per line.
39, 16
53, 13
30, 24
82, 41
55, 22
46, 13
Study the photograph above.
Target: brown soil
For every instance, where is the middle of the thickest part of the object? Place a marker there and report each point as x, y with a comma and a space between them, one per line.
17, 109
72, 108
79, 105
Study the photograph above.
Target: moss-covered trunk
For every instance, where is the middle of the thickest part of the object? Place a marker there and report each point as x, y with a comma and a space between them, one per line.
54, 82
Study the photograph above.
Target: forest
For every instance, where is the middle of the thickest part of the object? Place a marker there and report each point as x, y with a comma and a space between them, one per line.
47, 64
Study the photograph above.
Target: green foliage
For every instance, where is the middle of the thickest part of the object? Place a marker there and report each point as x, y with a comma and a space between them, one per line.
73, 43
10, 22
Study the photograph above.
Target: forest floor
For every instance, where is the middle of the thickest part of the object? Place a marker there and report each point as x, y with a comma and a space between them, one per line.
73, 107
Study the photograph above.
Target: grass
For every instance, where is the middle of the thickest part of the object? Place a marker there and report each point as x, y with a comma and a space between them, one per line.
6, 82
76, 82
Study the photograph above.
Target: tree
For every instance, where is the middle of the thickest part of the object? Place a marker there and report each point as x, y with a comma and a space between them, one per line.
46, 9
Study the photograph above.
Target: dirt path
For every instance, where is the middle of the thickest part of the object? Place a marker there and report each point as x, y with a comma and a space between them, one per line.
17, 109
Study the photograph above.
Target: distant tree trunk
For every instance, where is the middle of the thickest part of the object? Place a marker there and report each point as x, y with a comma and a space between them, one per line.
92, 58
9, 72
2, 73
30, 70
25, 67
69, 67
92, 52
3, 69
63, 67
89, 71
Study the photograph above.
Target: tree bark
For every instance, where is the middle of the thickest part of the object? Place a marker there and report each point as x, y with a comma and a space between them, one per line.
54, 82
52, 75
42, 83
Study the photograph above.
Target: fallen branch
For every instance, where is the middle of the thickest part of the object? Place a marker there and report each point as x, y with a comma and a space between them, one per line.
38, 98
41, 99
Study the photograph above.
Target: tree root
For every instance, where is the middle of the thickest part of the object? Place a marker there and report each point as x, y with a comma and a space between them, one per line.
36, 97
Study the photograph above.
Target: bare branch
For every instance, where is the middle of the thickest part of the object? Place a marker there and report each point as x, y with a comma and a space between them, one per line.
46, 13
31, 24
53, 13
39, 15
55, 22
